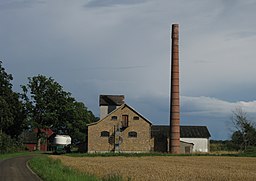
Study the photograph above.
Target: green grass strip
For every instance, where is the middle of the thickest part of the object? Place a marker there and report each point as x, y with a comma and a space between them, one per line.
140, 154
252, 154
52, 170
110, 154
11, 155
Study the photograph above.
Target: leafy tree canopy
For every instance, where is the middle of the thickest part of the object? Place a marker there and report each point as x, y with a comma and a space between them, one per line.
49, 106
12, 114
43, 98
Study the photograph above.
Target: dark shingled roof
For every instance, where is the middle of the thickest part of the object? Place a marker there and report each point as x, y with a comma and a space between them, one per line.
194, 132
185, 131
111, 100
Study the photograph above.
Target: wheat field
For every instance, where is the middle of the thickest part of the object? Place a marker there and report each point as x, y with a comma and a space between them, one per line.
166, 167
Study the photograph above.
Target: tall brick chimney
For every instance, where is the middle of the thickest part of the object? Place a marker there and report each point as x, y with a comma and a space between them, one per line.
174, 146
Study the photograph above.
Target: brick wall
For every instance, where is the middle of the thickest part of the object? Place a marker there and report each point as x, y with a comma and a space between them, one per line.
136, 123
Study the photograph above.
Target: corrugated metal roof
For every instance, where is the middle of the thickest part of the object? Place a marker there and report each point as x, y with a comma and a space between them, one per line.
185, 131
111, 100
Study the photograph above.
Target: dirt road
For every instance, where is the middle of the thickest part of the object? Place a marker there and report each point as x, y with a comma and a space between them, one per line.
16, 169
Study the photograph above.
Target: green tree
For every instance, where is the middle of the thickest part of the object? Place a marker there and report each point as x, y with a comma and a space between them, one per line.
49, 106
80, 118
245, 134
74, 117
12, 113
42, 97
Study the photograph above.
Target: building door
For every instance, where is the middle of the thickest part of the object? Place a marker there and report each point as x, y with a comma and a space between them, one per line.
187, 150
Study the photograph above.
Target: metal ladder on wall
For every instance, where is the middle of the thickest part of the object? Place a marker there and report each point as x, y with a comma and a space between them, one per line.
118, 139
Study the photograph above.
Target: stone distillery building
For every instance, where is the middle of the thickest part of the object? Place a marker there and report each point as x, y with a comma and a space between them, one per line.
122, 129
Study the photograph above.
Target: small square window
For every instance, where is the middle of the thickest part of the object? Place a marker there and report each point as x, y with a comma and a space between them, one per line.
104, 134
136, 118
114, 118
132, 134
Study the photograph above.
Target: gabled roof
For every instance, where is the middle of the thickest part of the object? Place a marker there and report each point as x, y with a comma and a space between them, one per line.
111, 100
31, 136
185, 131
122, 107
137, 113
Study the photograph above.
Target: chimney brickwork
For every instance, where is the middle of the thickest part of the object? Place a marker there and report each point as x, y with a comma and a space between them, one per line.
174, 146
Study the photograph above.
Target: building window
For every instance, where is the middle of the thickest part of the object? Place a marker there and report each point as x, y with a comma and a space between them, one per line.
114, 118
132, 134
104, 134
124, 121
136, 118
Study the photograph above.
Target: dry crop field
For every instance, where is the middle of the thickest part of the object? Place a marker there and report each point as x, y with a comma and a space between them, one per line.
166, 167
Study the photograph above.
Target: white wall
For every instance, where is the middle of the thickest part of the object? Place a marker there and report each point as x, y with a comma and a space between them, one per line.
200, 144
103, 111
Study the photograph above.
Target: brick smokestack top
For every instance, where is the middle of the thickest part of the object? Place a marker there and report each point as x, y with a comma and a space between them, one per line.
175, 95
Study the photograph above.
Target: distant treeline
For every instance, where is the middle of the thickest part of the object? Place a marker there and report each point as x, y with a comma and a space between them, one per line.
223, 145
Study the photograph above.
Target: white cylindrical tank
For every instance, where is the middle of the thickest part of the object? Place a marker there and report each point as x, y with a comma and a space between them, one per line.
62, 140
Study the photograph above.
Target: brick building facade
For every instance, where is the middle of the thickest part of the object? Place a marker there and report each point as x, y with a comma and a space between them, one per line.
122, 129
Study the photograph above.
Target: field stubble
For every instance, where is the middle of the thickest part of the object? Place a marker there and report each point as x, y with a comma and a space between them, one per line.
166, 168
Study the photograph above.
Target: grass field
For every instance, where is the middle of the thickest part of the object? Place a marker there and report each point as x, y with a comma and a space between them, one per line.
166, 168
11, 155
52, 170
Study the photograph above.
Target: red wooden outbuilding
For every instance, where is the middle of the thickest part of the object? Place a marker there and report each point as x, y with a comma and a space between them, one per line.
30, 139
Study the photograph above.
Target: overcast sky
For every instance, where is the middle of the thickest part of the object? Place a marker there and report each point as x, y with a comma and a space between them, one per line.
94, 47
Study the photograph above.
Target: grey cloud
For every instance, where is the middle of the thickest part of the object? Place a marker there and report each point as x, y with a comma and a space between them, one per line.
201, 61
126, 51
234, 92
214, 113
211, 104
109, 3
115, 68
241, 35
208, 111
14, 4
228, 7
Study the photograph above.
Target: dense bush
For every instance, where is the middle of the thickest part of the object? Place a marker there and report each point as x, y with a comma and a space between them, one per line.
226, 145
9, 145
